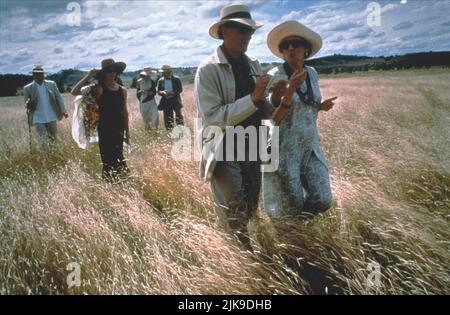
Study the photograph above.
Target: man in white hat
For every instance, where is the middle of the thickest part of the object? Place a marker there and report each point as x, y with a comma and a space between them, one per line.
170, 88
146, 91
45, 105
229, 91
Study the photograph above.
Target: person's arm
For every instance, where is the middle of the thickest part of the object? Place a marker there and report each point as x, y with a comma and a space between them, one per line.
159, 88
60, 100
152, 91
138, 90
125, 116
211, 106
30, 103
179, 89
26, 96
297, 78
327, 104
77, 88
277, 91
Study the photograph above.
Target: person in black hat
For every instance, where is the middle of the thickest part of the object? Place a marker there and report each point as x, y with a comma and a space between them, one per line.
45, 107
113, 126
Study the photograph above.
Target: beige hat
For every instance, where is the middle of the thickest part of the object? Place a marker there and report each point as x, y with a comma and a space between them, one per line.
293, 28
38, 69
234, 13
147, 72
165, 68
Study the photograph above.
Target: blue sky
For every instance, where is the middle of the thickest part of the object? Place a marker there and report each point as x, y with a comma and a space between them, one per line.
152, 33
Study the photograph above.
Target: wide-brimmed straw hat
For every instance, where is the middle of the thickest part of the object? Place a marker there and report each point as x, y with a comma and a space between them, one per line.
110, 64
38, 69
238, 13
147, 72
165, 68
293, 28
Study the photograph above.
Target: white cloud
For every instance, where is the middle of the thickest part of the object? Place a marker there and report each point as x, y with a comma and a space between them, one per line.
389, 7
151, 33
293, 15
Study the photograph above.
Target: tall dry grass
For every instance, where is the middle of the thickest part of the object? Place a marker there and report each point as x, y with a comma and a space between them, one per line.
387, 143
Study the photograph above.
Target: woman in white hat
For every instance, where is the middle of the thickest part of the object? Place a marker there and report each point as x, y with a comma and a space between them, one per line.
146, 91
113, 124
301, 185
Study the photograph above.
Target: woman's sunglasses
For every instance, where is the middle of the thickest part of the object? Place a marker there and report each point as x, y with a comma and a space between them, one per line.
243, 29
296, 43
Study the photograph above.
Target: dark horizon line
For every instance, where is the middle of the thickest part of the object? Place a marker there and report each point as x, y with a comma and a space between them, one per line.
262, 62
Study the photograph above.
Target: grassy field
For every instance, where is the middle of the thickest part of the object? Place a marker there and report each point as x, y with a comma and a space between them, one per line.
387, 144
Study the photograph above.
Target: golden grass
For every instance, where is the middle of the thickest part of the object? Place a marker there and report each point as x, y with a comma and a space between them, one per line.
386, 141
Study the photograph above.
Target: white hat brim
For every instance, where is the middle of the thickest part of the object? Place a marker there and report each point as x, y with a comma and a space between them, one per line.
293, 28
214, 29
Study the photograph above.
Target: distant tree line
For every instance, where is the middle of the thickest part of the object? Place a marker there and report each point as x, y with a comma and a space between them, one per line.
10, 83
349, 64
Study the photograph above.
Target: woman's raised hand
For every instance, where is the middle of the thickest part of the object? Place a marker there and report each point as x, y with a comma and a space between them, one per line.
77, 88
92, 73
297, 78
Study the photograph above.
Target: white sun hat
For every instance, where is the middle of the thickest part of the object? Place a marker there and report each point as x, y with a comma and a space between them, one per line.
165, 68
234, 13
147, 72
293, 28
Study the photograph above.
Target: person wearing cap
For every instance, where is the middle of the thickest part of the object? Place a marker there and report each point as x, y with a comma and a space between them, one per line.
45, 106
302, 164
170, 88
229, 91
146, 91
113, 125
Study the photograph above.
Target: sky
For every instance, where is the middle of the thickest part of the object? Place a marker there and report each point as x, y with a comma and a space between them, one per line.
79, 34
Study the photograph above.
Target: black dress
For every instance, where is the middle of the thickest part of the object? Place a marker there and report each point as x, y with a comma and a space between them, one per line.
111, 131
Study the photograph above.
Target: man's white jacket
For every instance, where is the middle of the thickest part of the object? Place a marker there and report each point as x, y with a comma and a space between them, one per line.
56, 100
214, 95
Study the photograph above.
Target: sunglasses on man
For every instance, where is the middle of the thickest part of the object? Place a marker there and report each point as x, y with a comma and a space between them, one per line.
241, 28
295, 43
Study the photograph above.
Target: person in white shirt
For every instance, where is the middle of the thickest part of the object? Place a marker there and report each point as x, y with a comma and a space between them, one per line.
146, 91
170, 88
45, 106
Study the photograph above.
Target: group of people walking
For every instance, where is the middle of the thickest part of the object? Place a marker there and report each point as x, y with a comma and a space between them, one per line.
169, 88
45, 106
230, 90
